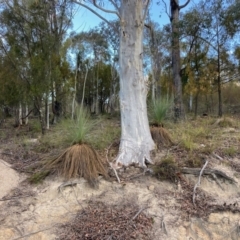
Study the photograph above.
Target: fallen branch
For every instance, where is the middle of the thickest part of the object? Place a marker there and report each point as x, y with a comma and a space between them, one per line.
11, 198
209, 171
217, 156
67, 184
33, 233
199, 182
216, 179
135, 216
111, 165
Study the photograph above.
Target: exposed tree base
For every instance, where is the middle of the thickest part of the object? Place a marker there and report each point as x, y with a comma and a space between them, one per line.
131, 153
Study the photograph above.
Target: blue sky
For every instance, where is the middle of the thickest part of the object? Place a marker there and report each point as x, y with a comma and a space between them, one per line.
84, 19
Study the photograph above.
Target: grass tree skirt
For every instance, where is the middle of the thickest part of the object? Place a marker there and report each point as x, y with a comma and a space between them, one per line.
79, 160
161, 136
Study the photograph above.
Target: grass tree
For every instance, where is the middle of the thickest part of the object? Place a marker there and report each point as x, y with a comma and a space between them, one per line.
80, 159
136, 141
157, 113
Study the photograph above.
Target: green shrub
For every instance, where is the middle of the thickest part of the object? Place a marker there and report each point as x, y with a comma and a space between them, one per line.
158, 110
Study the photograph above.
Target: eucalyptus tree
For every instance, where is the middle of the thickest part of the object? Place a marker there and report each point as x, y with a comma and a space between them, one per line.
156, 46
30, 40
219, 41
176, 61
93, 51
136, 141
173, 15
232, 18
113, 48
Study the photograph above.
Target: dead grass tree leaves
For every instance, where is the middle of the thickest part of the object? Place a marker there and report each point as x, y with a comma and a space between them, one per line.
161, 136
100, 221
79, 160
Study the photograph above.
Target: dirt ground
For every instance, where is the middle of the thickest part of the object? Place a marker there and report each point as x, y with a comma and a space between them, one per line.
36, 212
45, 211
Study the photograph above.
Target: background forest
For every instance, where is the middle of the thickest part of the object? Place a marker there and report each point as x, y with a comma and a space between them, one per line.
47, 69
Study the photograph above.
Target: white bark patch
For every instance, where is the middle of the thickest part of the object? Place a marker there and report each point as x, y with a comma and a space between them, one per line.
136, 140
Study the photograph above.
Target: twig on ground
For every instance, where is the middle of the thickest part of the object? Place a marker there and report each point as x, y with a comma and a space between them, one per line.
115, 171
8, 199
110, 164
33, 233
135, 216
163, 226
198, 183
75, 194
66, 185
196, 171
218, 157
217, 181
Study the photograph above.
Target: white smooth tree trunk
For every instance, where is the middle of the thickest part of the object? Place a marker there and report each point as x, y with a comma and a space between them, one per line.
74, 93
136, 141
20, 114
47, 112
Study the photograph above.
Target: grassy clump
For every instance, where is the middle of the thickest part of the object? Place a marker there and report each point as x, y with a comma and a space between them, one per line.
193, 161
38, 177
76, 130
230, 151
224, 122
158, 110
102, 137
166, 169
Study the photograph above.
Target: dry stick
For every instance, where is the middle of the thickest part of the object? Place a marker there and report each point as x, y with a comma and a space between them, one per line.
163, 226
217, 181
142, 209
198, 183
11, 198
217, 156
110, 164
33, 233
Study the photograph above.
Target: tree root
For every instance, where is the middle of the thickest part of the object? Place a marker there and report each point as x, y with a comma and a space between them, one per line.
209, 171
198, 183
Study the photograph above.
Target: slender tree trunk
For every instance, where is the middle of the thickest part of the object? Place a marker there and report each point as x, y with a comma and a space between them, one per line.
196, 104
190, 102
26, 114
97, 97
20, 114
74, 92
136, 141
84, 85
38, 106
176, 61
220, 112
153, 81
47, 112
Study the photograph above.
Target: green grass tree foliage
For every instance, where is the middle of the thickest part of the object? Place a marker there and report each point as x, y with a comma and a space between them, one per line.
158, 111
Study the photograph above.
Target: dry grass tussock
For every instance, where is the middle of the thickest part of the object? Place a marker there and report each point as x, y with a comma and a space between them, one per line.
79, 160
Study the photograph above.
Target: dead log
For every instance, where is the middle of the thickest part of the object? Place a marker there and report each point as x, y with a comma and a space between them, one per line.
209, 171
